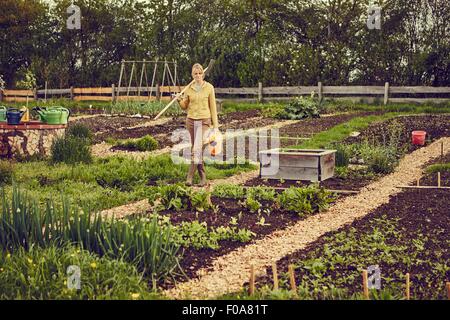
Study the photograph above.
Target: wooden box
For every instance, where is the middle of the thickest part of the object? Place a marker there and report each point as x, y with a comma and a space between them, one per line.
297, 164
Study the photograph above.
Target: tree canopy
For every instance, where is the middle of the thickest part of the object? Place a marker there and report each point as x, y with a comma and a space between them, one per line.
276, 42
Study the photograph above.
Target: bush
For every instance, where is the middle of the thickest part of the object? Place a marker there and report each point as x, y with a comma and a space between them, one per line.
41, 273
79, 130
71, 150
300, 108
6, 172
146, 143
379, 159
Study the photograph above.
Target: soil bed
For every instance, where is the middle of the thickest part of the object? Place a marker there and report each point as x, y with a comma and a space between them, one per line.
421, 213
195, 259
107, 124
431, 179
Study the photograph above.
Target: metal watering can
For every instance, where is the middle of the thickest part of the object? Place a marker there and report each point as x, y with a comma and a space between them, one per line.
2, 114
13, 115
53, 115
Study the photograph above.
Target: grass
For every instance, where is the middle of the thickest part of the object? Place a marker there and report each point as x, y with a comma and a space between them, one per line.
108, 182
440, 167
342, 131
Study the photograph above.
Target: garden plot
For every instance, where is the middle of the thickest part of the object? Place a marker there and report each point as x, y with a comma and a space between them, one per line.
409, 234
232, 270
374, 152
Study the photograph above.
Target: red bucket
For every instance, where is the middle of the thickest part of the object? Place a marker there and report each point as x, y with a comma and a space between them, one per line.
418, 137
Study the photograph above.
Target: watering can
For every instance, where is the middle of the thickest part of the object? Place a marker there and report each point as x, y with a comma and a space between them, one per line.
2, 114
53, 115
13, 115
26, 114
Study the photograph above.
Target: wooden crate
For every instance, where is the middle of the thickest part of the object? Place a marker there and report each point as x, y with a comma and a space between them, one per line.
297, 164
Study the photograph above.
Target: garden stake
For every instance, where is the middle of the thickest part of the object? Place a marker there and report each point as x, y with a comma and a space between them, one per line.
407, 287
292, 279
275, 276
252, 280
439, 179
418, 179
442, 148
448, 290
365, 285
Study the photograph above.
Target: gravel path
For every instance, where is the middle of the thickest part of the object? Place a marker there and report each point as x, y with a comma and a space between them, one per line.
231, 271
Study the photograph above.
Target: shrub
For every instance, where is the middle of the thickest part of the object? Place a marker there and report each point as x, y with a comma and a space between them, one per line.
300, 108
41, 273
379, 159
71, 150
6, 172
79, 130
342, 155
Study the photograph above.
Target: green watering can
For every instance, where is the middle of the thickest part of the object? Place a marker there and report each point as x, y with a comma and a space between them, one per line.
53, 115
2, 114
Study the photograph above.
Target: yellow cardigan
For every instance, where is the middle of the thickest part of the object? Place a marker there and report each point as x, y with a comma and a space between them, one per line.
200, 104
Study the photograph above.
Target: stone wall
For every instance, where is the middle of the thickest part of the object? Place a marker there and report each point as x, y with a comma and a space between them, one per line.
26, 140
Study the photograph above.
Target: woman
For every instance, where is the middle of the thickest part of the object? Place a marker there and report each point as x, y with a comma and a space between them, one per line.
200, 102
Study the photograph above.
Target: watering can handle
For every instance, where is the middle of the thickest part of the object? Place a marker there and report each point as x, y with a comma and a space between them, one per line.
68, 112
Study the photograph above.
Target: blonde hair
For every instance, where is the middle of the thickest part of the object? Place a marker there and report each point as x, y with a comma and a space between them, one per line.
197, 66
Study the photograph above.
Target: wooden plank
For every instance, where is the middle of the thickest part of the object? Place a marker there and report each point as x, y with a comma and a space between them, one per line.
353, 90
17, 99
55, 91
136, 89
174, 89
237, 90
91, 90
422, 187
289, 173
290, 90
135, 98
327, 163
294, 160
419, 89
18, 93
92, 98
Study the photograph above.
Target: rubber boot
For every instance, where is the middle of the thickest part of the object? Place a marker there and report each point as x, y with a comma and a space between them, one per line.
190, 175
202, 174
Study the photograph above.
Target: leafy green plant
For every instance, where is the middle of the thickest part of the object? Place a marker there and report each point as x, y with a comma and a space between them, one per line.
229, 191
301, 107
200, 200
261, 193
41, 273
252, 205
71, 150
305, 200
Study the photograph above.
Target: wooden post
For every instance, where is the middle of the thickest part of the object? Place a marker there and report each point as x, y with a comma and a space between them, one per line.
439, 179
35, 95
275, 276
407, 287
365, 285
319, 85
260, 92
158, 92
72, 93
45, 92
386, 92
447, 285
252, 280
113, 92
418, 182
1, 95
442, 147
292, 279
